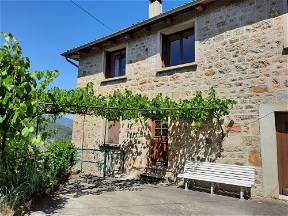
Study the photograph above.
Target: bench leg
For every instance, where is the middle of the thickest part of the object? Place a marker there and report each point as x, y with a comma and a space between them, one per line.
217, 188
186, 184
212, 189
242, 193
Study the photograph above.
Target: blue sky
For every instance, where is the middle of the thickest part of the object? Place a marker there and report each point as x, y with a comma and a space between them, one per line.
45, 29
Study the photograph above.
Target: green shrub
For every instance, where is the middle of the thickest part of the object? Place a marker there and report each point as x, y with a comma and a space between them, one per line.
37, 173
59, 157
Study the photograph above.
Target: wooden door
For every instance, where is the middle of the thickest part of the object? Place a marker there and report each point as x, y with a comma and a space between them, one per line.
281, 119
159, 144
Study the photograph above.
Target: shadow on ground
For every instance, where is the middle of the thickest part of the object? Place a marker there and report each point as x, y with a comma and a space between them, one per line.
86, 185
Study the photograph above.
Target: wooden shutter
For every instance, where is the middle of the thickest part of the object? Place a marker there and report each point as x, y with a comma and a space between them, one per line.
108, 65
165, 51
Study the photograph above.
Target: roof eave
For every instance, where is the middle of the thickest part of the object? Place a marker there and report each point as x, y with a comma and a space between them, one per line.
75, 52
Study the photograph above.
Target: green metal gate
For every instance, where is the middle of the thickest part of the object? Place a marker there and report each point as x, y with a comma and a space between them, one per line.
108, 160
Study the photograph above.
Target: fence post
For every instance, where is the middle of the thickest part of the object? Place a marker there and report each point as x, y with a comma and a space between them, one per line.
83, 134
122, 159
242, 193
104, 165
104, 142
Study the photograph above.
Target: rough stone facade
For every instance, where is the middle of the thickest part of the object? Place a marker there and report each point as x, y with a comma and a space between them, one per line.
239, 51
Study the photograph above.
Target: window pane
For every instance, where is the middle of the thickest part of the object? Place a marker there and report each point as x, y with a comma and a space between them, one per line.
122, 65
158, 132
157, 124
189, 49
116, 66
175, 53
115, 63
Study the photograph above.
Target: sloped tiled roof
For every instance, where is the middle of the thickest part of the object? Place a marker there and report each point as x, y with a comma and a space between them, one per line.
135, 27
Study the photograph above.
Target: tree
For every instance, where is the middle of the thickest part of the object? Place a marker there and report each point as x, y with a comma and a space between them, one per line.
20, 97
24, 169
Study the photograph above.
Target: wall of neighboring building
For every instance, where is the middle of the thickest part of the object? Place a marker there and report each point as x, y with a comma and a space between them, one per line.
238, 51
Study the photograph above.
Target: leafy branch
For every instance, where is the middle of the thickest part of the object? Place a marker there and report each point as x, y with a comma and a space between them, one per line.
126, 106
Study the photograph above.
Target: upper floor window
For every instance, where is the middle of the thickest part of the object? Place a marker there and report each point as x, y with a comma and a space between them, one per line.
115, 63
179, 48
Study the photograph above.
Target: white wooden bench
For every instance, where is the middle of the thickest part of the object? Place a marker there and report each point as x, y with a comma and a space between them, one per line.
243, 176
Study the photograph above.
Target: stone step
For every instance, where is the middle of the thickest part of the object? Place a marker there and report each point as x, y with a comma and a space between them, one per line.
151, 175
148, 177
285, 191
154, 172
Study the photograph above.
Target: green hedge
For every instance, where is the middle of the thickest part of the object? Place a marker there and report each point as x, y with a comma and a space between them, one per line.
36, 173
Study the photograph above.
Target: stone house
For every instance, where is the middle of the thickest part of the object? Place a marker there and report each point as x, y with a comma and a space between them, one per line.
239, 47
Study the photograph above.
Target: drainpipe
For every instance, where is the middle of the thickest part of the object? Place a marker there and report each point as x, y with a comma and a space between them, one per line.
71, 62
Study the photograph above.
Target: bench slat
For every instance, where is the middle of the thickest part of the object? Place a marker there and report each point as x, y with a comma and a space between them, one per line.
219, 180
250, 178
219, 170
220, 176
218, 167
218, 164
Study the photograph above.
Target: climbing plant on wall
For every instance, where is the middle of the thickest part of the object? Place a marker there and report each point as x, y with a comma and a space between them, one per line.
126, 106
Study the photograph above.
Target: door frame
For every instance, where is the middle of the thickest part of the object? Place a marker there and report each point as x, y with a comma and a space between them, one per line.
153, 137
269, 147
282, 150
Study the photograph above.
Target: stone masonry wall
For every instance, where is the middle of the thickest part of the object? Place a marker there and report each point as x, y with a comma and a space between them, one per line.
238, 51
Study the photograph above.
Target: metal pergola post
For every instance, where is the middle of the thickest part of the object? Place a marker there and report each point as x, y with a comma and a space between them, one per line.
104, 141
82, 145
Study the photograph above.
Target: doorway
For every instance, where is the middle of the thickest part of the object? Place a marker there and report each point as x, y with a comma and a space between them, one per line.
159, 144
281, 121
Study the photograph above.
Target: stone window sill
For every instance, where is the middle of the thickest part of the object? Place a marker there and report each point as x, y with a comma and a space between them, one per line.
285, 51
176, 68
114, 80
110, 145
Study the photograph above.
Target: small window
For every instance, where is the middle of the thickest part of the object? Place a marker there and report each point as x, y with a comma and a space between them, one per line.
159, 129
113, 132
179, 48
116, 63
